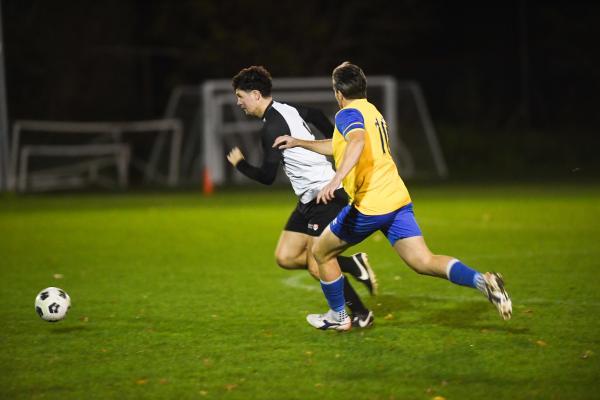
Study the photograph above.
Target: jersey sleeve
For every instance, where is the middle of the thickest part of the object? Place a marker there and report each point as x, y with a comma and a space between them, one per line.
349, 119
317, 118
267, 172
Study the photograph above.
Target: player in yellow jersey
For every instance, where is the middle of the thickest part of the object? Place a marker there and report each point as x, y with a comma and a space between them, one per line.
379, 200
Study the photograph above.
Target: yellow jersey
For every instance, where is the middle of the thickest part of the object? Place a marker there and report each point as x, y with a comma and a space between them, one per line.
374, 185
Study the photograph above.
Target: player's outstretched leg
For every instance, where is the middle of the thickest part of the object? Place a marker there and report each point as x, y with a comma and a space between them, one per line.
417, 255
358, 266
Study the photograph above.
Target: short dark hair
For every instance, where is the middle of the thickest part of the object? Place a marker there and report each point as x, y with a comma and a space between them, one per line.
350, 80
255, 77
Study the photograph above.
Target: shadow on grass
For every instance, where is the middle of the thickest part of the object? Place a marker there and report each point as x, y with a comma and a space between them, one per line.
68, 329
387, 303
454, 314
472, 315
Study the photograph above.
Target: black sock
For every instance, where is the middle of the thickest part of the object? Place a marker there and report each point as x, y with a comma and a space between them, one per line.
352, 300
348, 265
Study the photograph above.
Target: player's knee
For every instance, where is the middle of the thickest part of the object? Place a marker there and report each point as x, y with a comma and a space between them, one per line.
318, 253
284, 259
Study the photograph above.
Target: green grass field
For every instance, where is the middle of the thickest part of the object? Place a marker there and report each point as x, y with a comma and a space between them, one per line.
176, 296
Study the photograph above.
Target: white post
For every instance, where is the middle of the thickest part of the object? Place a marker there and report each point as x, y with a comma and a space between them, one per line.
436, 150
214, 161
3, 117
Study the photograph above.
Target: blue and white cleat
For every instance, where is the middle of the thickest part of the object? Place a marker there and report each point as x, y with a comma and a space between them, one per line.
494, 290
339, 321
367, 275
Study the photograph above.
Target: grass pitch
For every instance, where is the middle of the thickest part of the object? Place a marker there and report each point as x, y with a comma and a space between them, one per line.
178, 296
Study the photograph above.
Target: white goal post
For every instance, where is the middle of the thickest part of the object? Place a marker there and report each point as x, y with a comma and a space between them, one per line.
225, 124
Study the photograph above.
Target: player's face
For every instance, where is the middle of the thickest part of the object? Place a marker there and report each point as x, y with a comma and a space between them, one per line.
248, 101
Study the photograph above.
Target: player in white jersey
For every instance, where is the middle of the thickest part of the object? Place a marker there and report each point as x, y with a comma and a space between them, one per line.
308, 173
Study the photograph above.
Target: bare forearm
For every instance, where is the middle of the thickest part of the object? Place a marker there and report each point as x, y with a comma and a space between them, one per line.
354, 148
352, 153
318, 146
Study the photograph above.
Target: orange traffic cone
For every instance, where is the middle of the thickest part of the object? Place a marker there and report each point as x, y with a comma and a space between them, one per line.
207, 183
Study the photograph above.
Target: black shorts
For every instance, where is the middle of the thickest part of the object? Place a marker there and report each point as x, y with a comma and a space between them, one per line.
312, 218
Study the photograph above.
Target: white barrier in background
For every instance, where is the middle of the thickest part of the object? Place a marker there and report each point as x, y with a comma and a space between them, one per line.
103, 138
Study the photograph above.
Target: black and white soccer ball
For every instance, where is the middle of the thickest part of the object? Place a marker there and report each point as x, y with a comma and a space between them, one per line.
52, 304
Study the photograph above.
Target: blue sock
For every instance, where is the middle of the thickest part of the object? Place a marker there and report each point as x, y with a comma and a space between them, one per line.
334, 293
462, 275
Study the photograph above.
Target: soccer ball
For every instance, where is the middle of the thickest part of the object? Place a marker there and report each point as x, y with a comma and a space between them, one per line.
52, 304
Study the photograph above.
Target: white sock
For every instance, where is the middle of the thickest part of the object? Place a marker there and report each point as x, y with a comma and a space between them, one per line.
340, 315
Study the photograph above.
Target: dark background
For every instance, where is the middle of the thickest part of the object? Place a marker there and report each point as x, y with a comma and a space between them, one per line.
512, 86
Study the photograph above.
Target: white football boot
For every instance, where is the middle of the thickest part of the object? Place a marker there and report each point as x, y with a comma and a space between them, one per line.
340, 321
494, 290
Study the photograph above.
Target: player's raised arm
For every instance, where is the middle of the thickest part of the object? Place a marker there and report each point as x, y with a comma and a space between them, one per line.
318, 146
264, 174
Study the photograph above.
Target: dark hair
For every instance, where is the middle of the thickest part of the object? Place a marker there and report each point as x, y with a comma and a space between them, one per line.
350, 80
255, 77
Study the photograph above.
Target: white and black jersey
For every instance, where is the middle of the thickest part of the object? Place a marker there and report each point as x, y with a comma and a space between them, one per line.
308, 171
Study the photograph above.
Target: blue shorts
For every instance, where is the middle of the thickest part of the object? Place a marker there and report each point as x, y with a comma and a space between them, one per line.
353, 227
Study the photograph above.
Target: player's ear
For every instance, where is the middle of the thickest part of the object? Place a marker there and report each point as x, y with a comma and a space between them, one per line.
256, 94
338, 96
